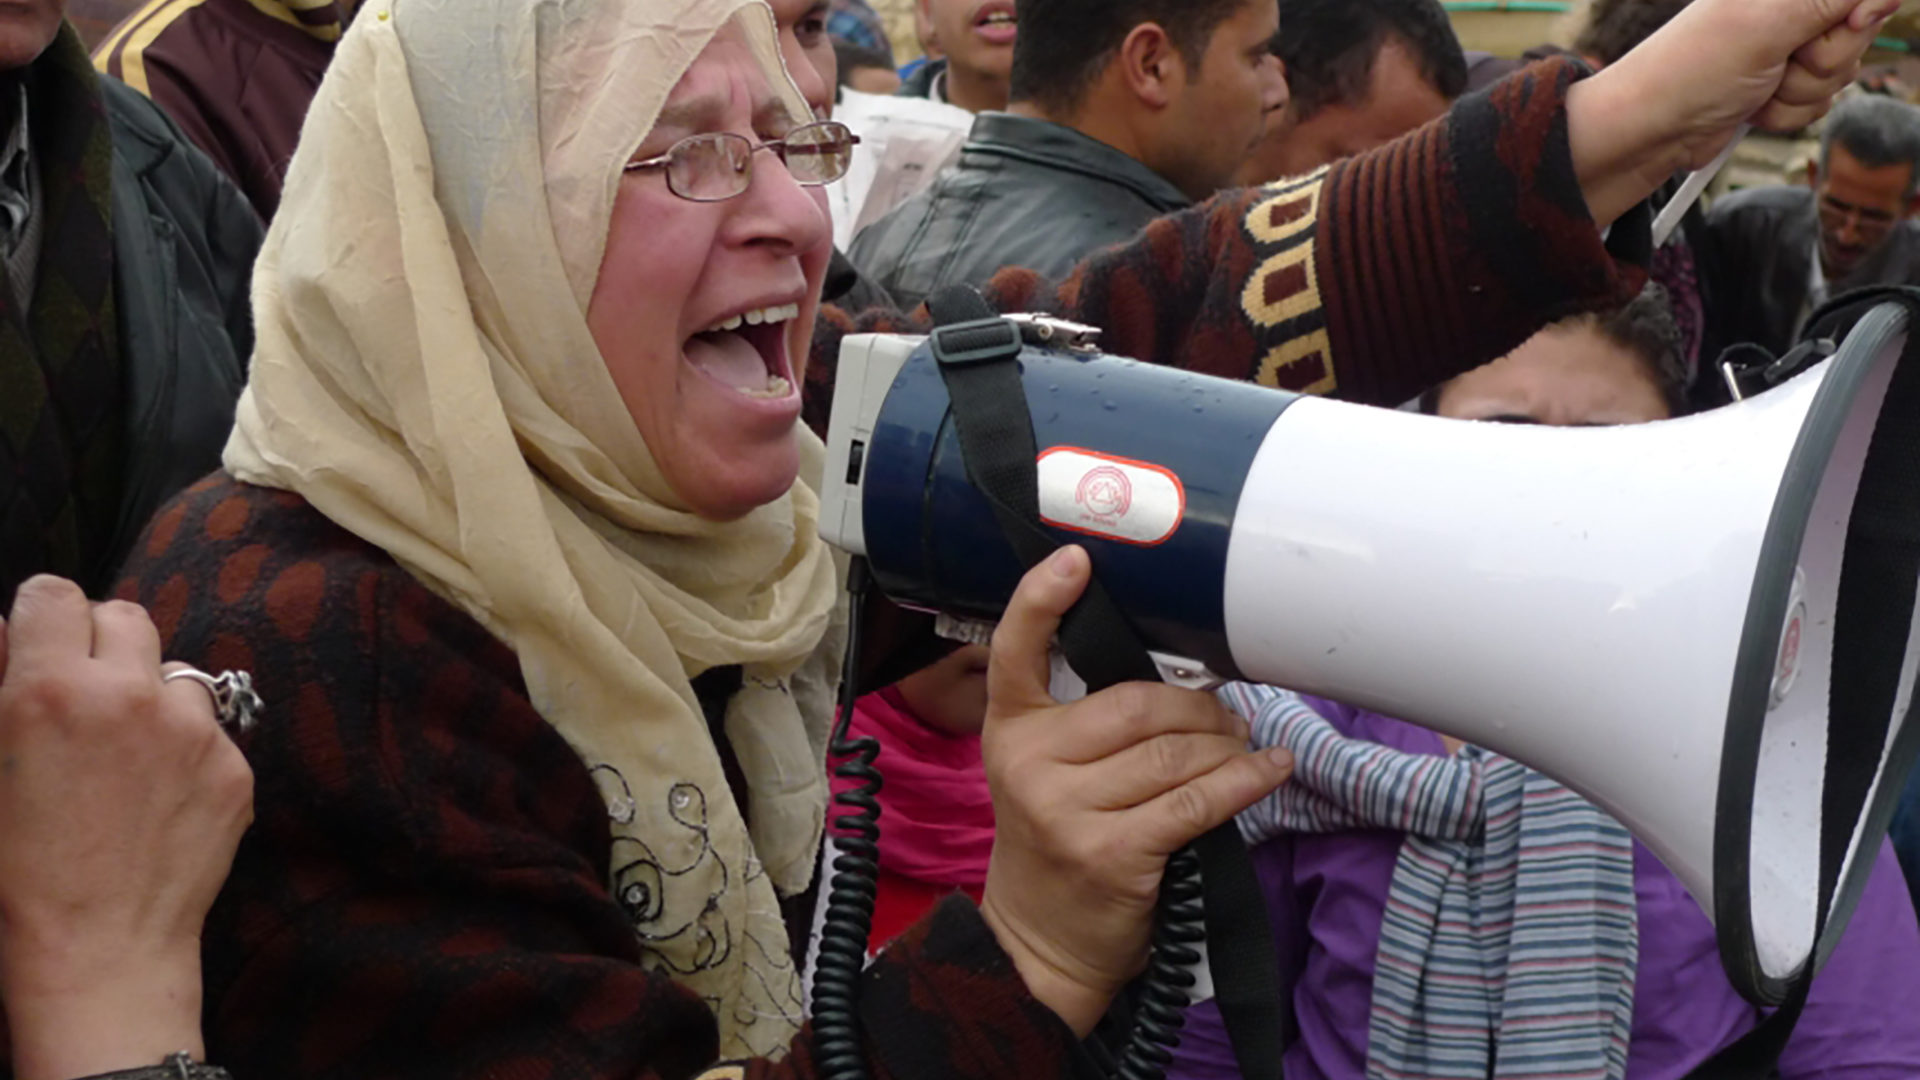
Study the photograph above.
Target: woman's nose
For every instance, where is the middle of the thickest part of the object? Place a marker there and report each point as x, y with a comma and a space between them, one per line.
777, 209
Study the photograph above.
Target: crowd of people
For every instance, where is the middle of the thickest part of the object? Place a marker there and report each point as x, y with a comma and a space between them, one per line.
421, 651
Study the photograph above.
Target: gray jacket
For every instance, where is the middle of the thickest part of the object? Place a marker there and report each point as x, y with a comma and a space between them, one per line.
1024, 193
1757, 264
184, 241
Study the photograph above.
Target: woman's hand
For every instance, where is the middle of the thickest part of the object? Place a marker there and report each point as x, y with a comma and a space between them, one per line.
121, 805
1090, 799
1674, 102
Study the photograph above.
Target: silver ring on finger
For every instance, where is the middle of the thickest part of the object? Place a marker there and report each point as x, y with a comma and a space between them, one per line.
234, 703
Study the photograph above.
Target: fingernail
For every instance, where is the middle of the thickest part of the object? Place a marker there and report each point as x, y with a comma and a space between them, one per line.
1281, 757
1061, 562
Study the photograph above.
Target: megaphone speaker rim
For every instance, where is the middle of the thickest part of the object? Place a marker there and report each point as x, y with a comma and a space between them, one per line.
1880, 339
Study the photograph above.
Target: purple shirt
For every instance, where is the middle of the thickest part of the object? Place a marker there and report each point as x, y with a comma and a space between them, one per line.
1327, 895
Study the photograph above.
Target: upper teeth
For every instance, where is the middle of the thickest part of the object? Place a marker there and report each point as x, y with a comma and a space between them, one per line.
771, 315
1000, 16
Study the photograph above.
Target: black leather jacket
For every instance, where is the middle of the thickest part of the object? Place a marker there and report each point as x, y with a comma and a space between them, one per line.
1758, 258
184, 241
1024, 193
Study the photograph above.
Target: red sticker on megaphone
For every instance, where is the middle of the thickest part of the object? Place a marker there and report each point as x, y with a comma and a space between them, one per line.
1133, 502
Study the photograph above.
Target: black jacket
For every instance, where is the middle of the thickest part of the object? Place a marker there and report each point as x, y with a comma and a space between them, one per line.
1024, 193
1758, 263
184, 241
920, 83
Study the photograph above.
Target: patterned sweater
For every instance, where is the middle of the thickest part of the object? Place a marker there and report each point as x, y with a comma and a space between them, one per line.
1372, 280
424, 892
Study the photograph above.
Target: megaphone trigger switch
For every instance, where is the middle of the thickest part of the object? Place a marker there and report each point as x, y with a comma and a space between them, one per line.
964, 631
856, 457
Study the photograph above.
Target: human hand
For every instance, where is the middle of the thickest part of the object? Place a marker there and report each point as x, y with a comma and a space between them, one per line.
1091, 798
1776, 64
1677, 100
121, 806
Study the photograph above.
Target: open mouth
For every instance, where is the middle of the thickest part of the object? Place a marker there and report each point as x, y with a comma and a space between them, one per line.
747, 352
996, 21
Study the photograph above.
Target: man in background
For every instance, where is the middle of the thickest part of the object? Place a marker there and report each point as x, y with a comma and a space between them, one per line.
855, 23
974, 42
1778, 253
913, 132
1122, 111
1360, 73
124, 323
239, 75
236, 75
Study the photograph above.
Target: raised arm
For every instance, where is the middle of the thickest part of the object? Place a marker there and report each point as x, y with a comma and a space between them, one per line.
1395, 270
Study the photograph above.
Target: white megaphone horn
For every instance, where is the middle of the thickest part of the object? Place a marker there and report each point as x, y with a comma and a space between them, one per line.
1707, 626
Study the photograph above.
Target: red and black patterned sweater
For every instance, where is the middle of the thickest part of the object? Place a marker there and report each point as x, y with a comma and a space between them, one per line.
424, 892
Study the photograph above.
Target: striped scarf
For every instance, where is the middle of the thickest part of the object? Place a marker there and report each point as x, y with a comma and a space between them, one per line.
1510, 937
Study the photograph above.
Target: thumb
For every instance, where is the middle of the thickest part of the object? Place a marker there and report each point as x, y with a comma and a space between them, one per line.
3, 650
1018, 671
1870, 14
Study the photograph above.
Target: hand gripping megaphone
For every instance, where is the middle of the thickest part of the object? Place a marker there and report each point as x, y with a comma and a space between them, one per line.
1707, 626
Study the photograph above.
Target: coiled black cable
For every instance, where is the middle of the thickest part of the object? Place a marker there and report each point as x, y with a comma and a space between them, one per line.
842, 953
1178, 929
1179, 925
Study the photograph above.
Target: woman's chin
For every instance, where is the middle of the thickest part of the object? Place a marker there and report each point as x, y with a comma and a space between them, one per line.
742, 484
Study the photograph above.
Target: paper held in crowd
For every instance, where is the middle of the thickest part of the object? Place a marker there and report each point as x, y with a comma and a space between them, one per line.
1690, 191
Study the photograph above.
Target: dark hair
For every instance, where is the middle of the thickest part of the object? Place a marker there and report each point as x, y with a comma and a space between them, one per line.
1329, 48
1617, 27
1647, 329
1064, 45
852, 58
1878, 131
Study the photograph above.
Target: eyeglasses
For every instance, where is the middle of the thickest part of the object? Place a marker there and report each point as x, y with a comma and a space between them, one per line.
1837, 213
717, 167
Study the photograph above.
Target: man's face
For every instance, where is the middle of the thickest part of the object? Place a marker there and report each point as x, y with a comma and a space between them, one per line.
1398, 100
1571, 375
976, 36
805, 47
27, 27
1859, 207
1221, 109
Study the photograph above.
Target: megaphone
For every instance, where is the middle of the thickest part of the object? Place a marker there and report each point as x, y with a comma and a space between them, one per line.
1707, 626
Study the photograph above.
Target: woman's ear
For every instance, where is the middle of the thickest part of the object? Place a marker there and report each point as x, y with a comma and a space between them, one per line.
1152, 66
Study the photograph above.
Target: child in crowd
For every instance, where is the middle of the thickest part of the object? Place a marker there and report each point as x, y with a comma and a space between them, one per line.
1639, 987
936, 820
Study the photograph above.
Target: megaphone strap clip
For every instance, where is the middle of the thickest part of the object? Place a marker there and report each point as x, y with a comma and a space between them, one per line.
979, 341
1750, 370
1045, 330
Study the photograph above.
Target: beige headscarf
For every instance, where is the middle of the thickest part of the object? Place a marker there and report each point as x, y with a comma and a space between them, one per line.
425, 377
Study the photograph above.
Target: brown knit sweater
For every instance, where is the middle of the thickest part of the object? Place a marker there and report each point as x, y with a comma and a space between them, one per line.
1372, 280
424, 893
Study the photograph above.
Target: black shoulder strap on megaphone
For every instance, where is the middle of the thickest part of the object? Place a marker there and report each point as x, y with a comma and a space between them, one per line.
979, 352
